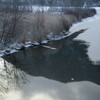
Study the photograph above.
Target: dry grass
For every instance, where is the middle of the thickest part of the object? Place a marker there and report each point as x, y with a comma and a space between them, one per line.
40, 25
36, 26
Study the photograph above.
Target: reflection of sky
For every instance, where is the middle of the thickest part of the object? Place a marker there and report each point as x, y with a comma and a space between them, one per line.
92, 36
40, 88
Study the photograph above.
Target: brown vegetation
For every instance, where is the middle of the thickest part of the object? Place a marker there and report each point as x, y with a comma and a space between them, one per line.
36, 26
39, 25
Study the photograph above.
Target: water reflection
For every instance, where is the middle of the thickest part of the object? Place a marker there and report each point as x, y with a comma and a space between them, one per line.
10, 77
40, 88
70, 62
58, 71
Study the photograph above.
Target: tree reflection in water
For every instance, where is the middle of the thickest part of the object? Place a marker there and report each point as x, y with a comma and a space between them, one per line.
10, 77
70, 62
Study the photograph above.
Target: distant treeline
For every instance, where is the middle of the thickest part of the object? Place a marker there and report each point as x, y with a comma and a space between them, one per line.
20, 23
75, 3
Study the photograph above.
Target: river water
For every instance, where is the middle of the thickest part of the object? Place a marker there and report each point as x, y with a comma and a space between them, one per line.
71, 71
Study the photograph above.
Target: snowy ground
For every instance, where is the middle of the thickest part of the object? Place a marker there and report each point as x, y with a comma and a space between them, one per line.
91, 36
46, 9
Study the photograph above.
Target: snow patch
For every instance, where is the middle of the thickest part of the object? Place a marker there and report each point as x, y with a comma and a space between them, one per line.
90, 19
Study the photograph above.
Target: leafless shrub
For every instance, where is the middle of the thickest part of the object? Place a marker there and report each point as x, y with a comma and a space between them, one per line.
41, 24
80, 13
10, 17
17, 26
38, 25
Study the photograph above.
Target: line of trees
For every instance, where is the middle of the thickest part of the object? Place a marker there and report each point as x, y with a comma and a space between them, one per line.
62, 2
52, 2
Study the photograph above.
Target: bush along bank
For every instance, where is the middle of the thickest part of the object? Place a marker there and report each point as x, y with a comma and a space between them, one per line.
34, 29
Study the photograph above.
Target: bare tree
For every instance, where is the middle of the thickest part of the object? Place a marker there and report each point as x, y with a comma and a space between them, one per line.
10, 17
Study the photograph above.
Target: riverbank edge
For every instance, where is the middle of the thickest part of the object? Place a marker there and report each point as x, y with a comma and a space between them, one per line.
16, 47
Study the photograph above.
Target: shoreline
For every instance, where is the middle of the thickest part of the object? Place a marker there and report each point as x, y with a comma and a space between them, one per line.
15, 47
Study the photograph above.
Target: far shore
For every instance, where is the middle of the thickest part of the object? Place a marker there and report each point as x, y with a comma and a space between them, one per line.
34, 29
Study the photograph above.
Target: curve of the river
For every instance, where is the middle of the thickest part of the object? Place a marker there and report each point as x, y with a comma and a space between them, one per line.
70, 70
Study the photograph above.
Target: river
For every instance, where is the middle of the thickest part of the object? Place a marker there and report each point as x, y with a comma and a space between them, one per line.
70, 70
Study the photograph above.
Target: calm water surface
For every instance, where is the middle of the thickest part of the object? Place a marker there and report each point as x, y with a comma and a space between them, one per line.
70, 72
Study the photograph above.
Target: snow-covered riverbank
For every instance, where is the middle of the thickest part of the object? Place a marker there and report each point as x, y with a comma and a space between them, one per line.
17, 47
91, 36
74, 28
